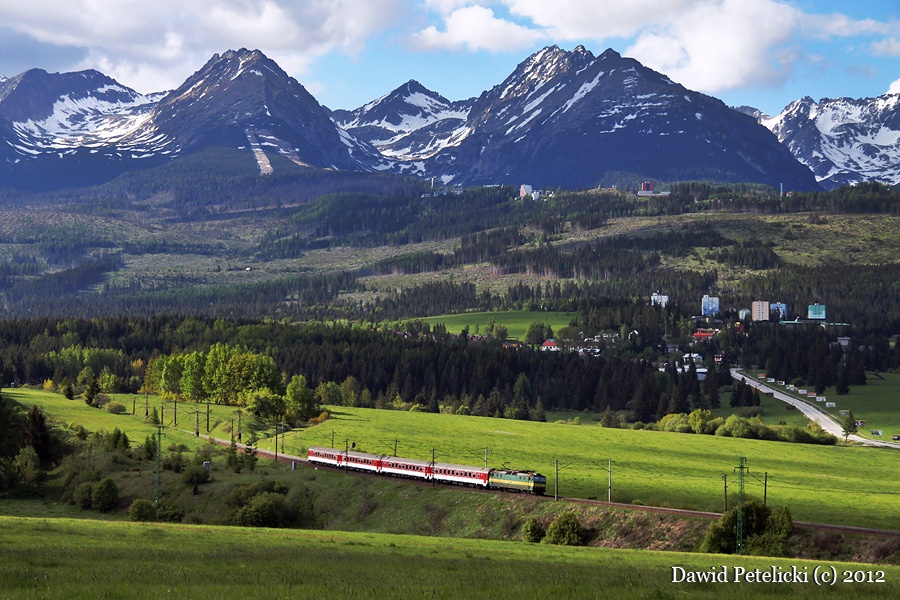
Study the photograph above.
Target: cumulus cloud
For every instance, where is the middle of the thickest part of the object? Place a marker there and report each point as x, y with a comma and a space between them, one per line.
476, 28
149, 45
887, 47
710, 46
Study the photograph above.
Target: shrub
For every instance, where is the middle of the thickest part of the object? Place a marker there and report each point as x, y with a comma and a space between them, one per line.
99, 400
169, 514
105, 495
532, 530
196, 475
564, 531
174, 462
142, 510
677, 422
116, 408
268, 509
82, 494
766, 531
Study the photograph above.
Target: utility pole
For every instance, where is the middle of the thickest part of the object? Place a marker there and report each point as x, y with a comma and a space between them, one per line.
176, 411
332, 438
556, 493
282, 437
432, 467
159, 465
276, 442
146, 404
207, 417
486, 450
725, 505
765, 486
239, 425
396, 441
133, 405
196, 422
609, 481
739, 542
162, 412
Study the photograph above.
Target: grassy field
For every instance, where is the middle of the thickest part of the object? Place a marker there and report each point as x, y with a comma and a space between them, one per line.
61, 558
840, 484
516, 321
843, 484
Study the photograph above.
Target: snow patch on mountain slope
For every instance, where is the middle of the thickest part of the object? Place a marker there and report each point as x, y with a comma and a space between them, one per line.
92, 122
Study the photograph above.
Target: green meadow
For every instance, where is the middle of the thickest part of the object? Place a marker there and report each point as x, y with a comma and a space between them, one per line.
516, 321
63, 558
829, 484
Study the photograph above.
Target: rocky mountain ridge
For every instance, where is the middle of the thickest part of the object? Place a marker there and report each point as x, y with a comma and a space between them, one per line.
567, 119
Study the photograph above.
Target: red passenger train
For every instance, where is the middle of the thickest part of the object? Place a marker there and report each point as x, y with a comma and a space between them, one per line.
449, 473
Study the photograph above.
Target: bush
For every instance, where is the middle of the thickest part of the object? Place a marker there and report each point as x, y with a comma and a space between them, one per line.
82, 495
196, 475
532, 531
564, 531
142, 510
268, 509
169, 514
116, 408
765, 530
677, 422
99, 400
105, 495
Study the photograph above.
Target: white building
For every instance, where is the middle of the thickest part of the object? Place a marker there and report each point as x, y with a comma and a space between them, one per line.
524, 190
709, 306
659, 299
760, 310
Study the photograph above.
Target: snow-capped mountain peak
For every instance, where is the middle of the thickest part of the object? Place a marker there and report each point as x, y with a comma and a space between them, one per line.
71, 112
843, 140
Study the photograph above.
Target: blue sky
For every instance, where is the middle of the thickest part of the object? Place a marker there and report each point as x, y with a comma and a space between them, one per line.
763, 53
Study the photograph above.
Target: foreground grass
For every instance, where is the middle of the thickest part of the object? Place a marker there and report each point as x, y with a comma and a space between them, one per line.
63, 558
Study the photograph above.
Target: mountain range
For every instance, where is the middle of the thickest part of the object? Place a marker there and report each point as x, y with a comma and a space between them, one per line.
566, 119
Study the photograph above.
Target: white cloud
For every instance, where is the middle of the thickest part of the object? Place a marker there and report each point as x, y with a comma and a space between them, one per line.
895, 88
476, 28
887, 47
713, 47
590, 19
155, 45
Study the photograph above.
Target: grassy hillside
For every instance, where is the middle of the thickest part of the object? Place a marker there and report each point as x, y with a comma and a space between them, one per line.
842, 484
90, 559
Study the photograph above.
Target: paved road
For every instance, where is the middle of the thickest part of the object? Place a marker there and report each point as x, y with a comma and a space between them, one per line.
812, 412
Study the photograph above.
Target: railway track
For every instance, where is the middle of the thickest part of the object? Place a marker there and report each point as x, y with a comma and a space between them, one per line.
620, 505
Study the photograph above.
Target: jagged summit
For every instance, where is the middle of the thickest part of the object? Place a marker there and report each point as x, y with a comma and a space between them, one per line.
843, 140
562, 118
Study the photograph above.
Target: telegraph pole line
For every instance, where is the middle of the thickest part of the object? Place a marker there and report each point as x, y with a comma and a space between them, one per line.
486, 450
